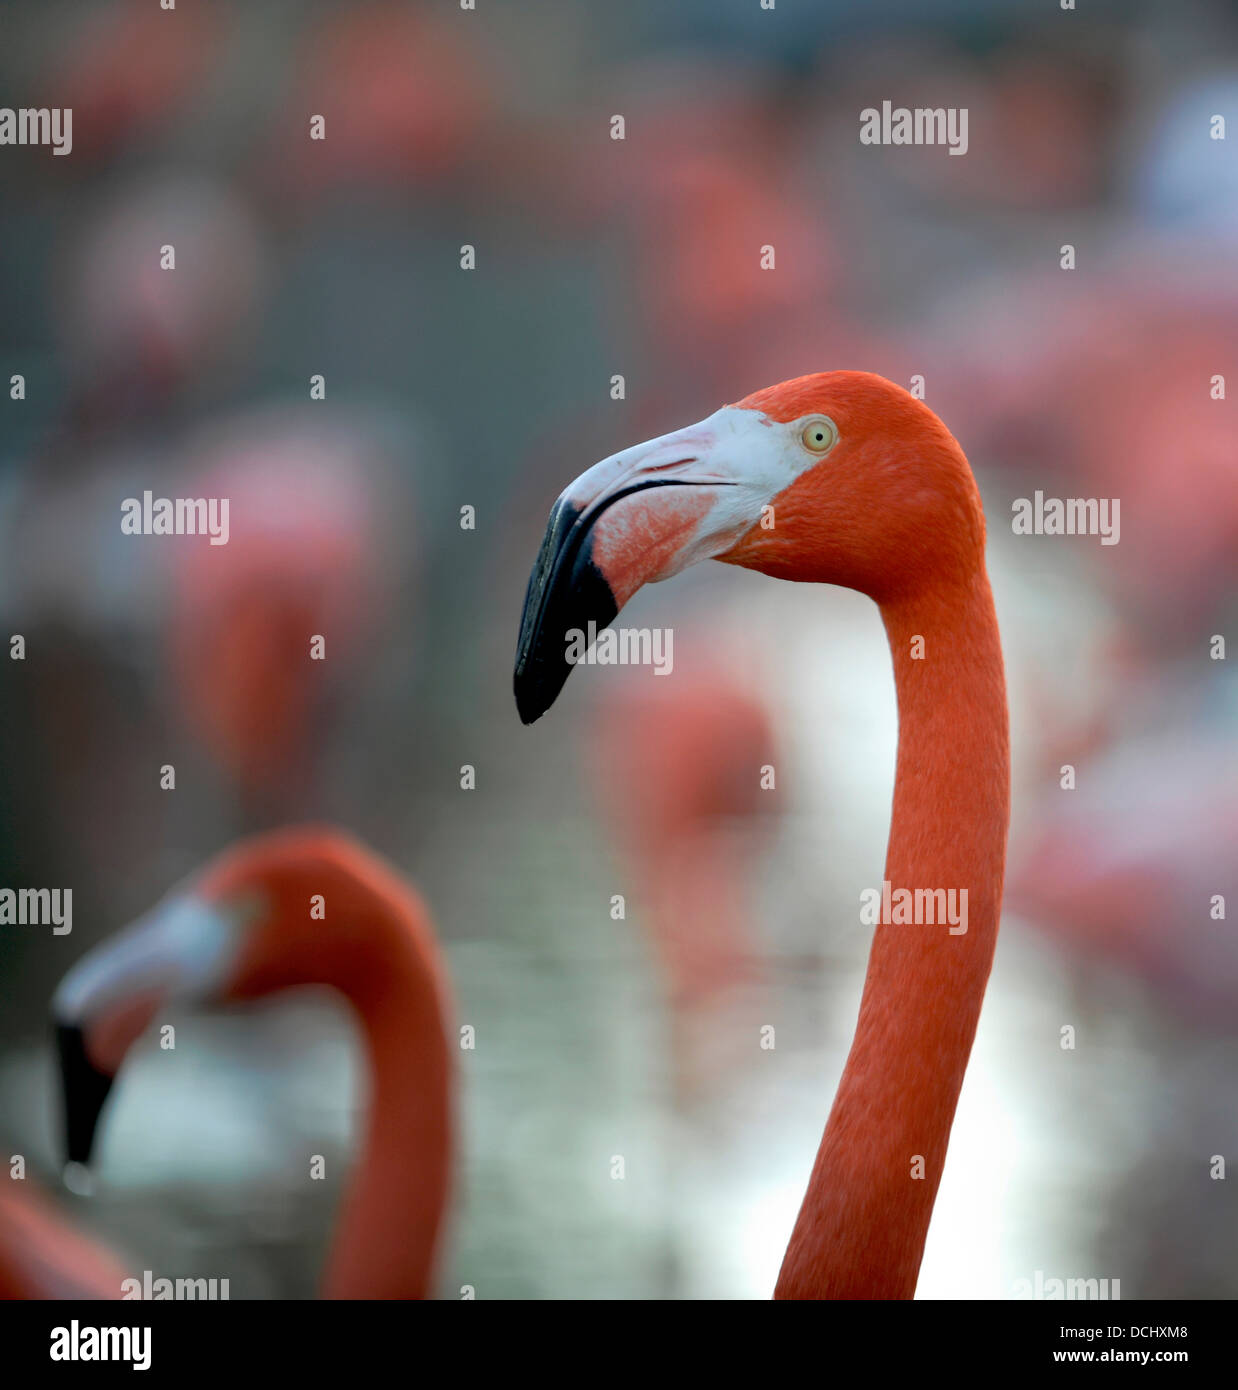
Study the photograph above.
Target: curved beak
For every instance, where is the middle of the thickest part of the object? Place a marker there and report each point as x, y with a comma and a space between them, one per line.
635, 518
181, 949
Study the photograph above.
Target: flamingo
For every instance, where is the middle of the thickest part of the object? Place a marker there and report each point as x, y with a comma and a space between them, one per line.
128, 76
353, 64
1107, 870
307, 555
243, 929
843, 478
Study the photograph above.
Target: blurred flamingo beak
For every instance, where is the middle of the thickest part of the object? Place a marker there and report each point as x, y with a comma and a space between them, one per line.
84, 1088
181, 949
633, 519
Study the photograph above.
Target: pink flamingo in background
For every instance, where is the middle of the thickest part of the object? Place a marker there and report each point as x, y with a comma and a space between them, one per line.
407, 99
1124, 869
677, 763
128, 69
305, 560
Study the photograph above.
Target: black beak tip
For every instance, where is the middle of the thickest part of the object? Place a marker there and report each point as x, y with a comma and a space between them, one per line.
535, 690
526, 706
567, 592
530, 711
84, 1089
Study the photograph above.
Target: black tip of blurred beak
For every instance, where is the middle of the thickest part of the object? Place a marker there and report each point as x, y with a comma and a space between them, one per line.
566, 592
84, 1089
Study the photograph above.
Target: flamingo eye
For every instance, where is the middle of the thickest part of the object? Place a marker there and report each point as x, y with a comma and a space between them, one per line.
818, 434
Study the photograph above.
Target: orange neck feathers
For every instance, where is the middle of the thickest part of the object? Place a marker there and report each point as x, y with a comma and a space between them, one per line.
388, 1231
375, 946
862, 1227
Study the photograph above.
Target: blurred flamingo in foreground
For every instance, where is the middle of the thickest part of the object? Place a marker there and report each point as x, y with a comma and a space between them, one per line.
861, 485
242, 929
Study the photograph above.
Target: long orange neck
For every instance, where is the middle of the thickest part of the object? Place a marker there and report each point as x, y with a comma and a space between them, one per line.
864, 1219
389, 1226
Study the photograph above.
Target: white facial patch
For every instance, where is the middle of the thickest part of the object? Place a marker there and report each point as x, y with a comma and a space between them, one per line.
750, 458
182, 948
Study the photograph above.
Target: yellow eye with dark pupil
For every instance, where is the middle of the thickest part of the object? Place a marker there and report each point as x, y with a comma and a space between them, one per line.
818, 435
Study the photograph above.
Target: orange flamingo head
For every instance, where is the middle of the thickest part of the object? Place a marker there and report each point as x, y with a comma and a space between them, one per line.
308, 906
840, 478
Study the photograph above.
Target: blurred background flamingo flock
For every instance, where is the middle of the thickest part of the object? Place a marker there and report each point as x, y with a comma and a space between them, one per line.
447, 389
